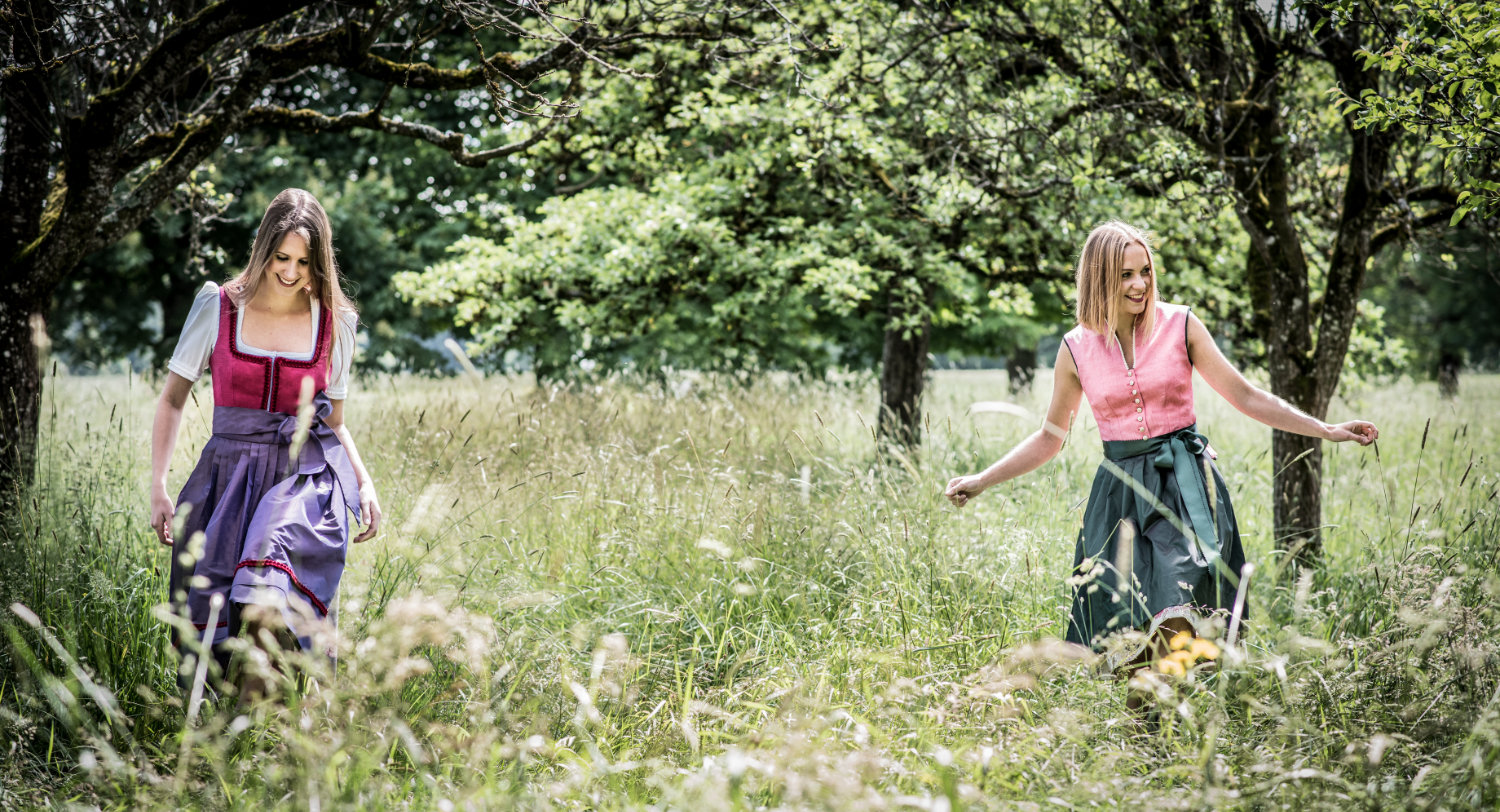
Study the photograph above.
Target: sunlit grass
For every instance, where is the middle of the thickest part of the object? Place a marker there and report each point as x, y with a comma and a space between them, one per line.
718, 596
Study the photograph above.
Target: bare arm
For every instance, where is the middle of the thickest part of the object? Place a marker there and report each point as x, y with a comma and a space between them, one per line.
369, 504
1258, 403
163, 441
1034, 451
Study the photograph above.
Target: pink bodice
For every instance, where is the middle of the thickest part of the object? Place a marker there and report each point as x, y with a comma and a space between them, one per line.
1154, 398
257, 382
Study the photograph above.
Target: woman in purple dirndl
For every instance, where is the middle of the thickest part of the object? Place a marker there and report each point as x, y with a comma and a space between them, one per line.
263, 529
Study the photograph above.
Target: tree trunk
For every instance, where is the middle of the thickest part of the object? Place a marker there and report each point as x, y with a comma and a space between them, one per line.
1303, 372
903, 369
1296, 493
1448, 365
24, 165
1280, 295
20, 329
1258, 284
1020, 369
1297, 500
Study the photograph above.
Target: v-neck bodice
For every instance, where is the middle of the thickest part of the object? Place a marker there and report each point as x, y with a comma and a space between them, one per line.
1151, 398
257, 380
1128, 363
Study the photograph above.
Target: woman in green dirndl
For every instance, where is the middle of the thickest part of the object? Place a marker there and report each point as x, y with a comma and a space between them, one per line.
1159, 549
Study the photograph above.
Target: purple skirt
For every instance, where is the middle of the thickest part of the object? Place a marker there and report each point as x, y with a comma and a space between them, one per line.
274, 531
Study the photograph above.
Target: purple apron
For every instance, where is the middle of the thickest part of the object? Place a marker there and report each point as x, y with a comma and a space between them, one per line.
274, 532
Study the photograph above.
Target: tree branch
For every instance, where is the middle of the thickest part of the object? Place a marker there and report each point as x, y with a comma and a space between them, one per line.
176, 54
16, 71
311, 121
1432, 193
427, 77
1407, 229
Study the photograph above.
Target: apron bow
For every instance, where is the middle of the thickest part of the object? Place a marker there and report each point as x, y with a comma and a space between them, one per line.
1179, 452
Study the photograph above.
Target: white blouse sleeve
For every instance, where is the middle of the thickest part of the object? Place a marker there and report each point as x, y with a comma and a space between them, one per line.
199, 334
341, 357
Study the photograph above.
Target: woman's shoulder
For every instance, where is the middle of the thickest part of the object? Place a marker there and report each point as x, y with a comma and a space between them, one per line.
345, 327
209, 292
205, 308
345, 319
1171, 311
1079, 333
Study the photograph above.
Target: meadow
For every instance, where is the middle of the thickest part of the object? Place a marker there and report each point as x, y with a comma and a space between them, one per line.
712, 595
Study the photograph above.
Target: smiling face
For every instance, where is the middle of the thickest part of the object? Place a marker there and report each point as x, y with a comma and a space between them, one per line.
1117, 280
1135, 281
289, 271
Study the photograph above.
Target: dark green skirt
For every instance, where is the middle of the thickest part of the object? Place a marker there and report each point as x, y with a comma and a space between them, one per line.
1158, 543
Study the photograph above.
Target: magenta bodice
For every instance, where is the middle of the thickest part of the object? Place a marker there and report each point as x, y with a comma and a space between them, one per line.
256, 382
1153, 398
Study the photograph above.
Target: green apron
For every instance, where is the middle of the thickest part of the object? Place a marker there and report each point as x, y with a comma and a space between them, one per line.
1183, 541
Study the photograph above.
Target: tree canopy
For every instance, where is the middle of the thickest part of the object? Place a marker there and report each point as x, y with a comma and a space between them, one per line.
111, 108
1444, 59
742, 186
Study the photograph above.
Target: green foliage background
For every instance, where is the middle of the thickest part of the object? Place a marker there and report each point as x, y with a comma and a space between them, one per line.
776, 211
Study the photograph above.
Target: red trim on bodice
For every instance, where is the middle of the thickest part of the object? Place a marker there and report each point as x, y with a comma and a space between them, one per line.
259, 382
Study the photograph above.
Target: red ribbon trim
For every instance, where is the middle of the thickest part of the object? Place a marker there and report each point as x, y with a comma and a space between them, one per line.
266, 562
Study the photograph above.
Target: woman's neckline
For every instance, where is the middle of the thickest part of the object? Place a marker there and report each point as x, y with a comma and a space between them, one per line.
1135, 358
301, 355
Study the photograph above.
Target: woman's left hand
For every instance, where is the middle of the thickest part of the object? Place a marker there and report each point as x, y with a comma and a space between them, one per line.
1359, 431
369, 509
962, 489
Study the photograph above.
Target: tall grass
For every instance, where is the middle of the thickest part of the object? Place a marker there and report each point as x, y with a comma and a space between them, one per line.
711, 596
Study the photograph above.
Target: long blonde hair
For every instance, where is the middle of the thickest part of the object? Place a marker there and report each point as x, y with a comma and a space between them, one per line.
1099, 268
294, 210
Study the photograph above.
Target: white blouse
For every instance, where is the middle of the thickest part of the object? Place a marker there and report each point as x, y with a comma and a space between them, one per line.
201, 332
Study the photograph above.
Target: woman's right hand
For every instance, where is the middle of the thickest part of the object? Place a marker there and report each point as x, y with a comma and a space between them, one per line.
163, 510
1360, 431
963, 488
163, 437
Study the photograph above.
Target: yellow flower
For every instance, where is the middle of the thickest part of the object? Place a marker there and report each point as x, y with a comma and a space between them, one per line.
1170, 666
1183, 658
1181, 640
1204, 649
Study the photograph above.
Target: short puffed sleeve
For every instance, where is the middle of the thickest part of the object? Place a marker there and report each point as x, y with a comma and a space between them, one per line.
199, 334
341, 357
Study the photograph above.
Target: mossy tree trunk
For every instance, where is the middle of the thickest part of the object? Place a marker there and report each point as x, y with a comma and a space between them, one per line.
903, 368
1304, 365
30, 121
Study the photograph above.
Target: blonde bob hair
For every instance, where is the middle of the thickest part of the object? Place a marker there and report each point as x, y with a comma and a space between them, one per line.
294, 210
1099, 268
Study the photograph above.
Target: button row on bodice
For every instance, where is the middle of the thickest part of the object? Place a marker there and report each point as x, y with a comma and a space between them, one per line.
1140, 417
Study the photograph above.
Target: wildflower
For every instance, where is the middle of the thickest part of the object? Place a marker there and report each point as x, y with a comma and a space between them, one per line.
1183, 658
